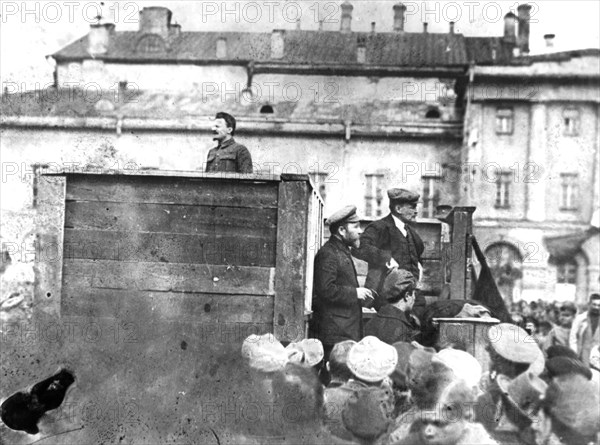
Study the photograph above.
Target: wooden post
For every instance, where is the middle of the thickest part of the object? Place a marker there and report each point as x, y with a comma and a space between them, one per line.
459, 254
292, 223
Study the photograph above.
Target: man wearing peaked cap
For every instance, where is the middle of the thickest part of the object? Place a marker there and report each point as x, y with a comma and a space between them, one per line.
337, 297
392, 243
392, 323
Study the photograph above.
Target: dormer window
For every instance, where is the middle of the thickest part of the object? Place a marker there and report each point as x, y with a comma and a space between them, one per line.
432, 113
151, 44
504, 120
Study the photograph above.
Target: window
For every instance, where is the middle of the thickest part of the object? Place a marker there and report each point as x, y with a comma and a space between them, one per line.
566, 272
152, 44
504, 121
571, 122
431, 194
266, 109
373, 194
503, 190
319, 180
432, 113
569, 191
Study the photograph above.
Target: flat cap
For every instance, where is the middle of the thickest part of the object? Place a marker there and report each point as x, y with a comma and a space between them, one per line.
264, 353
372, 360
344, 215
513, 343
397, 283
307, 352
401, 195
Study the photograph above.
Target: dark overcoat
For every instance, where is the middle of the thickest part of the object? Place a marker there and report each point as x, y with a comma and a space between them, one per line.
337, 313
391, 324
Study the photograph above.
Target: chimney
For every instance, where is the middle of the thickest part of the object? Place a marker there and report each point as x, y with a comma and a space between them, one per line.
155, 20
451, 27
175, 30
99, 38
510, 21
346, 25
277, 45
425, 27
399, 10
298, 25
549, 38
221, 48
361, 50
373, 24
524, 18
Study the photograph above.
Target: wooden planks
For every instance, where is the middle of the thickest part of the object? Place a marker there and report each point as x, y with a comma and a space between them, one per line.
146, 306
169, 247
145, 276
189, 191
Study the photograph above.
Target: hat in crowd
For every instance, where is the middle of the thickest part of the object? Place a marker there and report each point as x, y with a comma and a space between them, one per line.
568, 306
418, 362
368, 412
513, 343
558, 366
402, 196
264, 353
344, 215
560, 351
372, 360
463, 364
397, 283
537, 367
521, 395
307, 352
574, 402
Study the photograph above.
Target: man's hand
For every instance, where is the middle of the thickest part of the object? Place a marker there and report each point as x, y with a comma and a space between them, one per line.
363, 293
392, 264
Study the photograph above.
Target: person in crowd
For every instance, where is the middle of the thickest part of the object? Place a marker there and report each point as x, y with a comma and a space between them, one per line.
337, 297
559, 334
391, 242
584, 333
392, 323
512, 353
443, 414
571, 405
228, 155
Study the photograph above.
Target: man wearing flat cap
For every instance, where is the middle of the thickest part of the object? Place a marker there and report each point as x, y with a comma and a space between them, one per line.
391, 242
228, 155
337, 298
392, 322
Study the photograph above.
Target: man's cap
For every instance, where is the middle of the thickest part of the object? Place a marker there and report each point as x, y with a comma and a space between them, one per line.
398, 282
344, 215
560, 351
513, 343
558, 366
307, 352
463, 364
372, 360
264, 353
368, 412
523, 394
402, 196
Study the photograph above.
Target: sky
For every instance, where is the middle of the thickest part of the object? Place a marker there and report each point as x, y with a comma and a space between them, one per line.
31, 30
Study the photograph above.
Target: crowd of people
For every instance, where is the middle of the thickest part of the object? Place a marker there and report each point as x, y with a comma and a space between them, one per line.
406, 393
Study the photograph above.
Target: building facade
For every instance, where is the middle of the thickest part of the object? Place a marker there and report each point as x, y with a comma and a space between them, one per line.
358, 111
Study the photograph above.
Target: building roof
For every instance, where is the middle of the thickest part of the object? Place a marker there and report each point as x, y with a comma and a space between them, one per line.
301, 47
488, 50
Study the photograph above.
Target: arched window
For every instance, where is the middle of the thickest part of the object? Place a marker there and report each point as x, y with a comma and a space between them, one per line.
566, 271
432, 113
150, 44
266, 109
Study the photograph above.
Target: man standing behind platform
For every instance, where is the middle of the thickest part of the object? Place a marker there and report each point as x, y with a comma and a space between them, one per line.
228, 156
391, 243
337, 297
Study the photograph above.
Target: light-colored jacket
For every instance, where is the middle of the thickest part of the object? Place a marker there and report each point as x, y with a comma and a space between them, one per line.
578, 328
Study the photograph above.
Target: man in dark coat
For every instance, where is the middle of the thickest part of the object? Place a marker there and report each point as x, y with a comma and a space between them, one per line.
228, 155
392, 323
391, 242
337, 298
